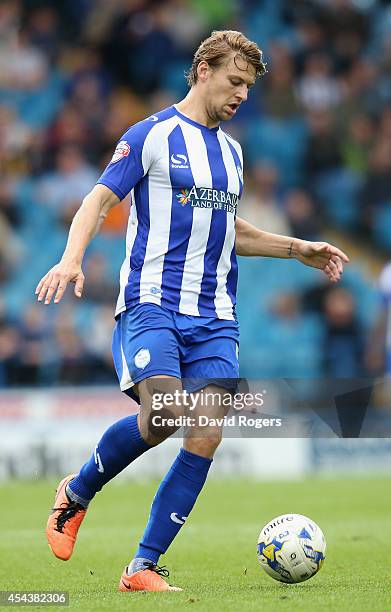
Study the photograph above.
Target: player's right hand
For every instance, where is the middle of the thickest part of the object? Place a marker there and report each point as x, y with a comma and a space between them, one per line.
56, 280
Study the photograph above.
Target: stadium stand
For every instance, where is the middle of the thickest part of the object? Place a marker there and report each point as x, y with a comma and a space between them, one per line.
316, 134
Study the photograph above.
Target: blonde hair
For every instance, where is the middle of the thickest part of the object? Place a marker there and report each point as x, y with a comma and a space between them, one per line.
221, 43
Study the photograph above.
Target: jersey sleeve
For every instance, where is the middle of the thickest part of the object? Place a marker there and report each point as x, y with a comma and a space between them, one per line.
236, 151
131, 160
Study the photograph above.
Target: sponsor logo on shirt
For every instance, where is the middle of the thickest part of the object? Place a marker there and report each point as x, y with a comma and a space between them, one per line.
122, 150
183, 197
178, 160
201, 197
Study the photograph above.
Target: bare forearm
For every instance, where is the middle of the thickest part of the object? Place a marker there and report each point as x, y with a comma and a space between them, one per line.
83, 228
87, 221
253, 242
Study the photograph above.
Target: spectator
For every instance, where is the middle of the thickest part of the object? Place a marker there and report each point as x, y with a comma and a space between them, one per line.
261, 206
64, 189
22, 66
97, 340
311, 37
99, 288
347, 29
378, 353
8, 207
141, 45
376, 190
10, 17
34, 337
125, 108
343, 345
15, 140
186, 25
302, 216
361, 93
11, 250
317, 89
73, 363
297, 332
324, 147
279, 98
69, 128
378, 350
42, 28
384, 79
9, 356
88, 99
88, 77
358, 143
385, 122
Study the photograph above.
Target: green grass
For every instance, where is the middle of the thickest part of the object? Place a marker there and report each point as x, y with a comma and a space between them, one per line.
214, 556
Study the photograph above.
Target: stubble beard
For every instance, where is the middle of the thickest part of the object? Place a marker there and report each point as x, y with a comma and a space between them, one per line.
218, 115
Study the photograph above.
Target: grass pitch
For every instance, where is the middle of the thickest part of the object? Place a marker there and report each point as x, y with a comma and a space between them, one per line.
214, 557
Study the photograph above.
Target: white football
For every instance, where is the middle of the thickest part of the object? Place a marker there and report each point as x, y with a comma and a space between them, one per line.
291, 548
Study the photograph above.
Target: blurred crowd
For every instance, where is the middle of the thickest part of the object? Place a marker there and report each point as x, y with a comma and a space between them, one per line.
316, 135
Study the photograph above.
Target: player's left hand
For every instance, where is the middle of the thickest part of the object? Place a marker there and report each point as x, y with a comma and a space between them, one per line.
323, 256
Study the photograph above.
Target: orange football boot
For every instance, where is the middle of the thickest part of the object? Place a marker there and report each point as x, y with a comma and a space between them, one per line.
149, 579
64, 522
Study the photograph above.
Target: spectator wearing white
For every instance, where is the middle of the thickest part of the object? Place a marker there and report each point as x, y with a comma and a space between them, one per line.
62, 189
23, 67
318, 89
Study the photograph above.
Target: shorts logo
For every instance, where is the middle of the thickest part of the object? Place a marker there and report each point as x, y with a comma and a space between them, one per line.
178, 160
240, 172
122, 150
153, 118
142, 358
155, 290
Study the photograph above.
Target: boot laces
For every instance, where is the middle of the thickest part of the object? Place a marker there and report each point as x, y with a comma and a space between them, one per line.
67, 512
162, 571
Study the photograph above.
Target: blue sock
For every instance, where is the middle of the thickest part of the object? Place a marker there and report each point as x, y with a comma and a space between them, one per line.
173, 503
121, 444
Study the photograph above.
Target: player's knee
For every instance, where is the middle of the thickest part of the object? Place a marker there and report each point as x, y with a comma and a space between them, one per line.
204, 446
157, 426
161, 408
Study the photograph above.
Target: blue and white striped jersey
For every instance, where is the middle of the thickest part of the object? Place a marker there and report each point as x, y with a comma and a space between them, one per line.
385, 292
185, 182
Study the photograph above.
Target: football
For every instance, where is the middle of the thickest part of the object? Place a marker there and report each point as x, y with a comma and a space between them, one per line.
291, 548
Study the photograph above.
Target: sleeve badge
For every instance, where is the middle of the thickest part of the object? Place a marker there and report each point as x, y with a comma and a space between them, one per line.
122, 150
